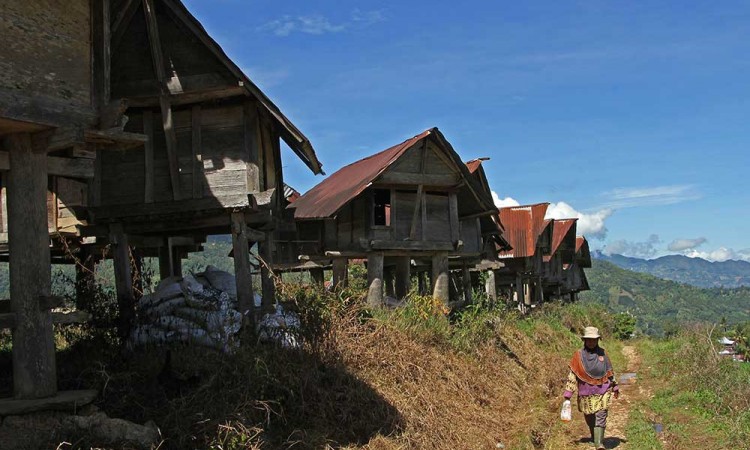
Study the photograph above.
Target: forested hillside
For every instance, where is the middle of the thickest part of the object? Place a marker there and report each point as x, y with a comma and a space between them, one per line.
694, 271
660, 305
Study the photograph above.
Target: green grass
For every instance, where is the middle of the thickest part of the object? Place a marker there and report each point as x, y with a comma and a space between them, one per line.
640, 432
701, 400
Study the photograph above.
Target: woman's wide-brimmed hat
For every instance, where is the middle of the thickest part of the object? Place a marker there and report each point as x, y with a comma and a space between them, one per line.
590, 333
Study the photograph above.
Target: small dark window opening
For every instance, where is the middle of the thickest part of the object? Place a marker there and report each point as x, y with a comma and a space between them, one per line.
382, 207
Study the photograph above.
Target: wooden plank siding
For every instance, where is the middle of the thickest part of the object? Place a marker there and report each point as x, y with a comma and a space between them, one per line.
215, 160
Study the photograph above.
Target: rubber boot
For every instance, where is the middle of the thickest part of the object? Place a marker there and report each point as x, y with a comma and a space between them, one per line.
598, 438
590, 421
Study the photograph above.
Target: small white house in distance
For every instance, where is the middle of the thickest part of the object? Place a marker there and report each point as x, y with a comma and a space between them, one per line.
729, 349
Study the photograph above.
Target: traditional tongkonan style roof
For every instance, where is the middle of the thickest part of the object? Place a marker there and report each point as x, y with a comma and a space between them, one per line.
329, 196
523, 226
563, 232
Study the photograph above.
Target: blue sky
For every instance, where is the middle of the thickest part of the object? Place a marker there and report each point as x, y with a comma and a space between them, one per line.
633, 115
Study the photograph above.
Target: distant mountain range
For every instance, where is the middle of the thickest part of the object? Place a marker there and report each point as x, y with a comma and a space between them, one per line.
692, 271
661, 305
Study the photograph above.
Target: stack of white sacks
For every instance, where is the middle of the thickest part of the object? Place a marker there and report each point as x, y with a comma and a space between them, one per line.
202, 310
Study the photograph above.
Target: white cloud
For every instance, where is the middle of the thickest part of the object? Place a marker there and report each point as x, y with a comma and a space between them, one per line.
368, 17
720, 254
504, 202
645, 249
680, 245
312, 24
318, 24
589, 224
280, 27
649, 196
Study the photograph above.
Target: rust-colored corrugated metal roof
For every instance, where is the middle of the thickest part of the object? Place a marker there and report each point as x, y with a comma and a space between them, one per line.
330, 195
583, 255
475, 164
523, 225
563, 228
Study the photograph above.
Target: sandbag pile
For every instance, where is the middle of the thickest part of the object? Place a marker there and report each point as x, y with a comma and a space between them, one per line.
280, 326
200, 310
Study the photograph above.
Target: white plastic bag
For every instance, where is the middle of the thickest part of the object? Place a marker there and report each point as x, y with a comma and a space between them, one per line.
566, 412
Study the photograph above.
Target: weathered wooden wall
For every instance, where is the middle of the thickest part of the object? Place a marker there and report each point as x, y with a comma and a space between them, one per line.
185, 57
212, 152
471, 236
352, 224
64, 197
46, 49
421, 164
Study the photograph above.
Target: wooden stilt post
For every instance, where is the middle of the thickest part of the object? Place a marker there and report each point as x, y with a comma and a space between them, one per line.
375, 279
519, 289
242, 274
403, 276
268, 288
490, 286
317, 277
340, 272
441, 278
466, 283
175, 255
165, 261
34, 371
388, 281
123, 280
539, 290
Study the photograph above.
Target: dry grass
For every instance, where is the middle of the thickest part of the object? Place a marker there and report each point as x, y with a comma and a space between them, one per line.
362, 379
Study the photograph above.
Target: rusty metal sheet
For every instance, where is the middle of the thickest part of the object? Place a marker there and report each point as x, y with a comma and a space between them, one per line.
475, 164
328, 196
522, 227
563, 235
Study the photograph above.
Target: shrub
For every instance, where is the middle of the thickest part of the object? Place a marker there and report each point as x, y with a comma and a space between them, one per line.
623, 325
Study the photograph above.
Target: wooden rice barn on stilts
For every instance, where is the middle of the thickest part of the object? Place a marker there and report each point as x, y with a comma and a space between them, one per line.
490, 236
530, 236
574, 277
123, 123
400, 210
562, 254
53, 107
212, 161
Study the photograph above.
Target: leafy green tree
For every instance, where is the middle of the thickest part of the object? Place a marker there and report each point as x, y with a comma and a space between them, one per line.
624, 325
741, 334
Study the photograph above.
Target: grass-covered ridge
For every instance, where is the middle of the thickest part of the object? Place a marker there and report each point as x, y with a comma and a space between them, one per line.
700, 399
662, 306
412, 377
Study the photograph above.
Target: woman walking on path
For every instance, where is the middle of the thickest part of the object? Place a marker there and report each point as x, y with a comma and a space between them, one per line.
592, 376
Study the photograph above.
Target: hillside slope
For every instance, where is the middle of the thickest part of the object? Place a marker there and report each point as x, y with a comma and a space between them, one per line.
694, 271
659, 304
